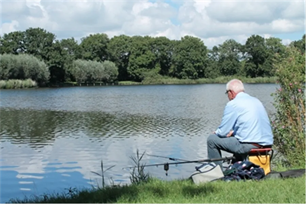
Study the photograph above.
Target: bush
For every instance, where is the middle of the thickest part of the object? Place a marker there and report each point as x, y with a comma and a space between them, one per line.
111, 71
289, 101
23, 67
93, 71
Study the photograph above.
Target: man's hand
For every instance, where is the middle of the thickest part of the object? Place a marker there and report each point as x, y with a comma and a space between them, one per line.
230, 133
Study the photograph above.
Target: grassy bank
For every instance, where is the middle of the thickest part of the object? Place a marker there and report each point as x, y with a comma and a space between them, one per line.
17, 84
220, 80
290, 190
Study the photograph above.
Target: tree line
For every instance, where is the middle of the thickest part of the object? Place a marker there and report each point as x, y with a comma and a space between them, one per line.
98, 58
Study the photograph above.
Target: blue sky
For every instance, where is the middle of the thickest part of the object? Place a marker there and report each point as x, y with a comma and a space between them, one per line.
213, 21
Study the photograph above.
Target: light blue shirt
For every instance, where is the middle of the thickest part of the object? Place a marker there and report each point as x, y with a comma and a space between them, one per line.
247, 117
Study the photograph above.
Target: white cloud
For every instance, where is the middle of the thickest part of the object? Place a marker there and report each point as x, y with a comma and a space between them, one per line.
215, 41
9, 27
210, 20
286, 41
295, 10
172, 32
284, 25
149, 19
245, 11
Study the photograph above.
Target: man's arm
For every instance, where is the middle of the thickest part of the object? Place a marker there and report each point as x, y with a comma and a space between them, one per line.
228, 121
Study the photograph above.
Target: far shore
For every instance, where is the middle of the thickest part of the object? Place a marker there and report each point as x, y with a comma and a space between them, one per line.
23, 84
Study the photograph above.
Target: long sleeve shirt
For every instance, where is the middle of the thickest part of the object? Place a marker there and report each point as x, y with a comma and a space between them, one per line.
247, 117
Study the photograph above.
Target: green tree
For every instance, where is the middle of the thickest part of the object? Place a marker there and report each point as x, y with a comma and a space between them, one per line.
229, 57
162, 47
70, 51
38, 42
72, 48
119, 50
141, 58
12, 43
94, 47
256, 55
213, 70
274, 48
189, 58
56, 63
1, 45
299, 44
260, 55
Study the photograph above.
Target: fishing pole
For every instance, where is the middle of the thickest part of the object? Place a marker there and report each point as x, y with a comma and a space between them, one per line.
190, 161
166, 165
170, 158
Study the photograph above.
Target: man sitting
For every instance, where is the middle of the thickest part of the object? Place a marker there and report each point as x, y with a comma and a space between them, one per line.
245, 125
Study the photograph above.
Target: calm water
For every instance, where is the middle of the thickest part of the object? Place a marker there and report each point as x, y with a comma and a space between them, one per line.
52, 139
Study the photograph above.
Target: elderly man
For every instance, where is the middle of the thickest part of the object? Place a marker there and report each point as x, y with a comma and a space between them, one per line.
245, 125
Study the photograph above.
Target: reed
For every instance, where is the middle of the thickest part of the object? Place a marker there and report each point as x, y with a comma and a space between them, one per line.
103, 173
128, 83
218, 80
17, 84
138, 174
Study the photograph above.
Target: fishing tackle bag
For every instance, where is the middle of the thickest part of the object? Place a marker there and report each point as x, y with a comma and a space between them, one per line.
207, 172
243, 170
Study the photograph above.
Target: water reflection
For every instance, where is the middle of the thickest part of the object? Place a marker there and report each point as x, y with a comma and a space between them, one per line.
51, 139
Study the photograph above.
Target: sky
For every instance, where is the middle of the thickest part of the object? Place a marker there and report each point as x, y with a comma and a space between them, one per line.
213, 21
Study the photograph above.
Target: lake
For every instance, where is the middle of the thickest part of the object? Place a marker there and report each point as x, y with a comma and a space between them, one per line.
53, 139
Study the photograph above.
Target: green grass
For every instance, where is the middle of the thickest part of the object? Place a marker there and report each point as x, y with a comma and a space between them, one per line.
290, 190
152, 190
220, 80
128, 83
17, 84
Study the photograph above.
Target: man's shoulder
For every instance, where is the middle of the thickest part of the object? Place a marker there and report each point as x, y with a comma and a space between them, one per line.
242, 100
245, 96
232, 104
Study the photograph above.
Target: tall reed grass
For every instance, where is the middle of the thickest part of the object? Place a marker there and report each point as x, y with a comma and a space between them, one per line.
17, 84
218, 80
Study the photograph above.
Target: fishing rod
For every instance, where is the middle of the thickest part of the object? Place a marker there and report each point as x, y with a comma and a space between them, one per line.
166, 165
170, 158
